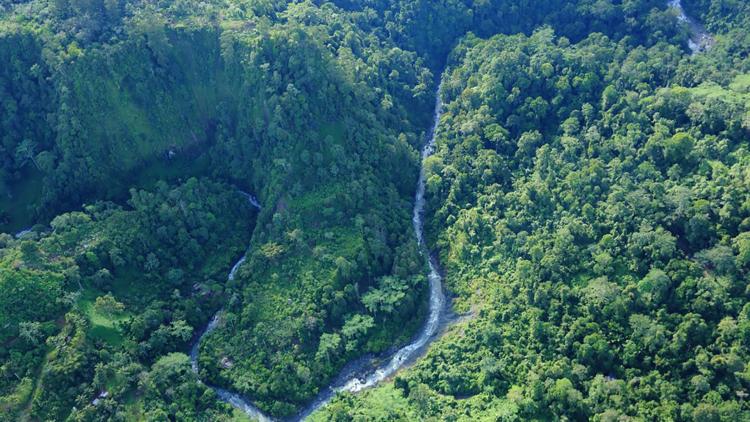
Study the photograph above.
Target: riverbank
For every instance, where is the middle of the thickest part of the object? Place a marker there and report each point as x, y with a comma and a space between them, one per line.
364, 373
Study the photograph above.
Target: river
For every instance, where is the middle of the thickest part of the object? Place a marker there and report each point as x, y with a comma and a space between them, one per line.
700, 39
362, 373
232, 398
22, 233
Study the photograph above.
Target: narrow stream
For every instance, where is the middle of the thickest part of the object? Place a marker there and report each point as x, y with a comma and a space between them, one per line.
700, 39
22, 233
232, 398
362, 373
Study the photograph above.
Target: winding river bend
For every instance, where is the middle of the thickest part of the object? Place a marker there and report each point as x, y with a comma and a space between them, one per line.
232, 398
362, 373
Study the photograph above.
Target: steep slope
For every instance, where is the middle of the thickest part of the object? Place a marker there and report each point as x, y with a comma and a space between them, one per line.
320, 108
592, 215
319, 118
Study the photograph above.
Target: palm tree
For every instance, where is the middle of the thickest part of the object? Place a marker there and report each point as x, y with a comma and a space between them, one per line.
25, 151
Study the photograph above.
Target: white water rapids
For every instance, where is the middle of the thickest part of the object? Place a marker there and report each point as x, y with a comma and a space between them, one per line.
437, 298
22, 233
700, 39
360, 374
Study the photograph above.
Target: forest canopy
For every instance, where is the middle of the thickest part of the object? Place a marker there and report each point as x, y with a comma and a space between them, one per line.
589, 201
588, 204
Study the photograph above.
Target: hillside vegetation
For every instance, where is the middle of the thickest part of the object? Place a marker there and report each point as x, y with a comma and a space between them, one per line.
588, 202
591, 206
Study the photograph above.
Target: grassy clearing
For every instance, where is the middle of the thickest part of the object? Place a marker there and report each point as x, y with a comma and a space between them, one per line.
103, 327
127, 287
737, 93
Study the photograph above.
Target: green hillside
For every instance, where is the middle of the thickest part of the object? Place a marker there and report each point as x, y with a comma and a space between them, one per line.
587, 202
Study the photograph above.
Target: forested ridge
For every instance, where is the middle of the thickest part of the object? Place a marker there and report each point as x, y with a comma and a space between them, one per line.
590, 204
282, 105
588, 201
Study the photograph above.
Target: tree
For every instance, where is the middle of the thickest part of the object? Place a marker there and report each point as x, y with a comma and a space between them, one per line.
742, 243
102, 278
150, 24
654, 287
355, 329
25, 152
564, 398
677, 149
720, 258
30, 331
45, 161
328, 348
108, 305
169, 337
152, 262
596, 353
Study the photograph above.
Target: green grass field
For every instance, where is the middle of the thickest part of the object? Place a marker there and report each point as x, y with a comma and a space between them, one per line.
103, 327
737, 93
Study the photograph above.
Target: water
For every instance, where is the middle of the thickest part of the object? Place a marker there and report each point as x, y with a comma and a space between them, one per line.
22, 233
194, 349
437, 298
251, 198
232, 398
700, 39
359, 374
236, 267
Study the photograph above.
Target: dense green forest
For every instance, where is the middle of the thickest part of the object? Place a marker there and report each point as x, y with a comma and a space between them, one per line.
317, 117
588, 201
591, 206
107, 297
